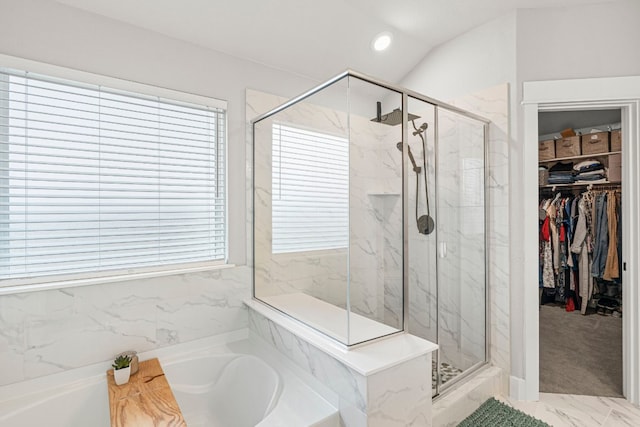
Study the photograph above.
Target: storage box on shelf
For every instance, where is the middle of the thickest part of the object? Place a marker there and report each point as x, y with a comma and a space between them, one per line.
615, 168
568, 147
616, 140
604, 147
546, 150
595, 143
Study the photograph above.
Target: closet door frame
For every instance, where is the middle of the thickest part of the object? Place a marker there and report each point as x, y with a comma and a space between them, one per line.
585, 94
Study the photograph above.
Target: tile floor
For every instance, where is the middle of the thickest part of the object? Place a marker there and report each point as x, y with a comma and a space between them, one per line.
447, 372
560, 410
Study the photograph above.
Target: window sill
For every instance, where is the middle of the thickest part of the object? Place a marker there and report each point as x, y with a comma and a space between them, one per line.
19, 289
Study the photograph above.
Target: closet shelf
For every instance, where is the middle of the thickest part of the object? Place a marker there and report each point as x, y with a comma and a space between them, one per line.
582, 156
581, 184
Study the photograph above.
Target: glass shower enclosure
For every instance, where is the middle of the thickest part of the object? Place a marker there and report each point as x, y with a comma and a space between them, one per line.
369, 218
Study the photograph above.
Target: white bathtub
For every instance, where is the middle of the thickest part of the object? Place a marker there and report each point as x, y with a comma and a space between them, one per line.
213, 389
83, 403
224, 390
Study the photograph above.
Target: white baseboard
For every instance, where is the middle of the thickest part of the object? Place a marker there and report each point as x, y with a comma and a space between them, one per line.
517, 390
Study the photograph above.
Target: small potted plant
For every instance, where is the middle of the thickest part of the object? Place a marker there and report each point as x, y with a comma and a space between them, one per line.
122, 369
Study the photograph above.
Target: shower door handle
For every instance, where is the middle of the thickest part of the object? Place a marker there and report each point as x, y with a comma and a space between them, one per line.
443, 249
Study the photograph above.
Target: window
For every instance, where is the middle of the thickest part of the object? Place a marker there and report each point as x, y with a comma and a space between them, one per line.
310, 190
96, 180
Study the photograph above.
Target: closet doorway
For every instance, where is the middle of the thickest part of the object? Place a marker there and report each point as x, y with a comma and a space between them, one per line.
580, 251
576, 95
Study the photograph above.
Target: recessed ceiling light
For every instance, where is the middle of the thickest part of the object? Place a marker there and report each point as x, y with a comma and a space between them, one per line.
382, 41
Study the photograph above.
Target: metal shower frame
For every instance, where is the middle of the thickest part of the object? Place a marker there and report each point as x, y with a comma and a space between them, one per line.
406, 93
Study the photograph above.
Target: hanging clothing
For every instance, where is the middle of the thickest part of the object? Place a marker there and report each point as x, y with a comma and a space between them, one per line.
555, 236
611, 269
601, 237
588, 212
580, 246
580, 237
548, 279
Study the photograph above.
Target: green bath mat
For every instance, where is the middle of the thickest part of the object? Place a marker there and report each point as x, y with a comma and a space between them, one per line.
496, 414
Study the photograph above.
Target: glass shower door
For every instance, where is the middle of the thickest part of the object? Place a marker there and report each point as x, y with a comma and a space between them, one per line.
460, 243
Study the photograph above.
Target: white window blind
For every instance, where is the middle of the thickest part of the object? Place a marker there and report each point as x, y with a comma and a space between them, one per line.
310, 198
94, 179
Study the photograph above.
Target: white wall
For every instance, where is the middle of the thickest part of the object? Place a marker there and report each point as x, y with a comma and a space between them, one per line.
481, 58
50, 331
600, 40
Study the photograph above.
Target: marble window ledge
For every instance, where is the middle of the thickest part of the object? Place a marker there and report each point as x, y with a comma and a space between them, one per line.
100, 280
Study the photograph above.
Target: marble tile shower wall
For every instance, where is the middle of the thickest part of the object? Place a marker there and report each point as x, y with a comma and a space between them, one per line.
51, 331
460, 286
461, 257
321, 274
375, 260
492, 103
422, 248
375, 221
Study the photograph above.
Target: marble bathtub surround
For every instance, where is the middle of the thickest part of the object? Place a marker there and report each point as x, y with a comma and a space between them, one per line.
51, 331
298, 402
385, 383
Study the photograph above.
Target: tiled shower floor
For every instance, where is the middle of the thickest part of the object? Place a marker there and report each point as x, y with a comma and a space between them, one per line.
447, 373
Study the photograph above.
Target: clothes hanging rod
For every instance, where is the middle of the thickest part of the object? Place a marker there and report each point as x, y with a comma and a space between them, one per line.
580, 188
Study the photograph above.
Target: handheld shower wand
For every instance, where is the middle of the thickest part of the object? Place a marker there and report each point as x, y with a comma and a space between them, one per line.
416, 168
426, 225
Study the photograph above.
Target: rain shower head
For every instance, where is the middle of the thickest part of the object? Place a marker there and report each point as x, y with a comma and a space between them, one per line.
393, 118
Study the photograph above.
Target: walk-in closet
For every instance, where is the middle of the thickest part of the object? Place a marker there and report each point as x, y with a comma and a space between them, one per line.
580, 252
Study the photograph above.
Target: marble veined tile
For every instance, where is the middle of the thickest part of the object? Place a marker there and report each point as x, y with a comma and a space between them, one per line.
493, 103
348, 384
11, 353
564, 410
401, 395
621, 419
50, 331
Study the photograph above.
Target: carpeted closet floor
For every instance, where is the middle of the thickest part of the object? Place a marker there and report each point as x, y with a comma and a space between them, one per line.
580, 354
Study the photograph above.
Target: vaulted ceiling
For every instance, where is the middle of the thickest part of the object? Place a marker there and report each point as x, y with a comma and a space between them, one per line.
315, 38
